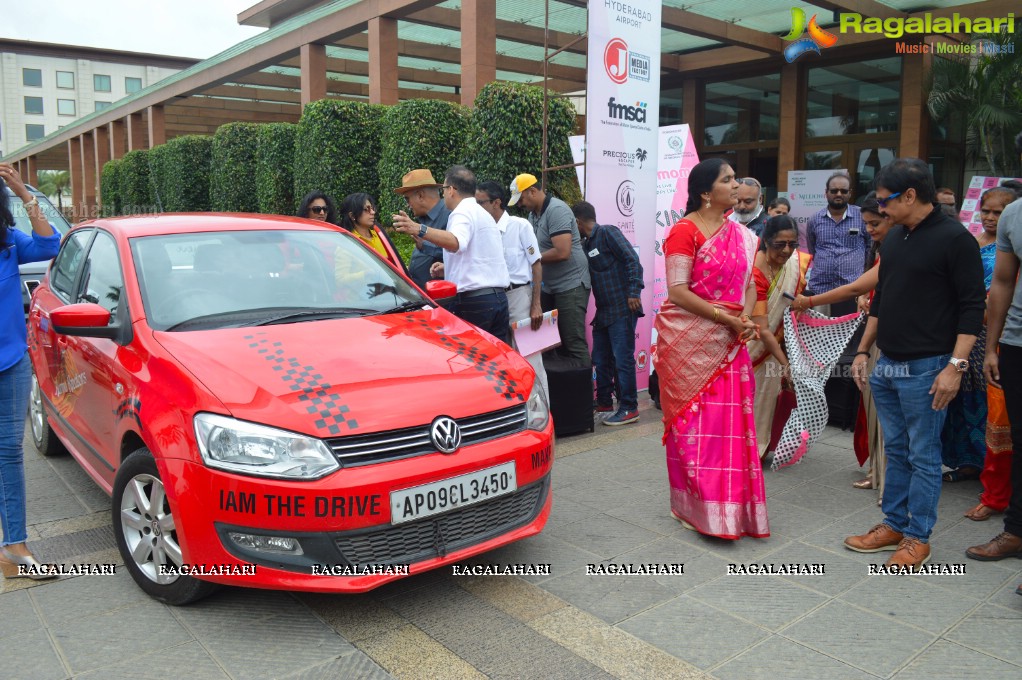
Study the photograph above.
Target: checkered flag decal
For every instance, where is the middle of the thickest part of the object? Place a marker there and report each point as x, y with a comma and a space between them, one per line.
323, 399
503, 384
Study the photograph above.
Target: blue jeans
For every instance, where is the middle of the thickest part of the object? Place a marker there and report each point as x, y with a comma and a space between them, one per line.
614, 359
488, 311
901, 392
15, 383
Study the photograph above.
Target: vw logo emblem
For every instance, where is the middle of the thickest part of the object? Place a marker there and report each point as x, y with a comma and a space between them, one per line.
446, 435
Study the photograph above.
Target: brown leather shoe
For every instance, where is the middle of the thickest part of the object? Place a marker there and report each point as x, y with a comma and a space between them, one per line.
911, 553
1002, 545
881, 537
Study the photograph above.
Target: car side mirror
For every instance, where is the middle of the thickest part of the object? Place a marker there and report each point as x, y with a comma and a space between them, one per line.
85, 319
439, 289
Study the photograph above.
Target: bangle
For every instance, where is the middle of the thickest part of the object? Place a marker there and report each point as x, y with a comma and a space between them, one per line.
716, 314
33, 203
862, 352
810, 300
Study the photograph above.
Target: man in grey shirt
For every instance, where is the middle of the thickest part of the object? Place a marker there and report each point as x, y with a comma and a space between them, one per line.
565, 269
1003, 368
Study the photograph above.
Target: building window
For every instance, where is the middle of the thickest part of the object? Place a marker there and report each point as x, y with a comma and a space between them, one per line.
34, 105
65, 80
66, 107
132, 85
671, 106
101, 83
742, 110
31, 77
862, 97
34, 132
102, 105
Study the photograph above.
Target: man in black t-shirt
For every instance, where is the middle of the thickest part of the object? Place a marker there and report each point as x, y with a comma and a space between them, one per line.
925, 316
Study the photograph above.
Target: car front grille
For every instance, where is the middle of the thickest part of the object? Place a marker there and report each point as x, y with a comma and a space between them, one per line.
437, 536
380, 447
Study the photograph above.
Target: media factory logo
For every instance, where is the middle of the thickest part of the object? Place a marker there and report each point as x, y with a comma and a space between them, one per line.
799, 45
620, 63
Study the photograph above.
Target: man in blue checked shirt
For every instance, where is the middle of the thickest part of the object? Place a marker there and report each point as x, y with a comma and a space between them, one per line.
617, 281
837, 240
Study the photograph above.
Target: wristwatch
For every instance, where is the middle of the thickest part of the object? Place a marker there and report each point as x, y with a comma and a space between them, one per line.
422, 230
961, 365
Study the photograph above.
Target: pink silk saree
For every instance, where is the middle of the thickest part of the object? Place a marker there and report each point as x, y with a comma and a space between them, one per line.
707, 388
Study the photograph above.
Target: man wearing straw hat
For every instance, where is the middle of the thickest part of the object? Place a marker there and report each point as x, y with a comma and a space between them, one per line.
420, 190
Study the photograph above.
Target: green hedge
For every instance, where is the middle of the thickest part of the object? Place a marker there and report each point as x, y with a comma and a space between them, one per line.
109, 188
337, 148
274, 174
159, 171
418, 133
506, 137
232, 175
135, 189
181, 173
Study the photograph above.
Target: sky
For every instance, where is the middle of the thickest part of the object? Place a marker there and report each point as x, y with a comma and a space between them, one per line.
178, 28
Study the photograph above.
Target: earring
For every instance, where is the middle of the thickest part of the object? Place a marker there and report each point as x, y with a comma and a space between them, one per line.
707, 204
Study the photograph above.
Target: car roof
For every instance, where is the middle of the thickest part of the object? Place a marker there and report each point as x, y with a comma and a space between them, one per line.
191, 223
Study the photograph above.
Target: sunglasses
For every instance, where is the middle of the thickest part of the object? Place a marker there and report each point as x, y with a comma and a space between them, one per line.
882, 202
446, 187
318, 209
781, 245
839, 191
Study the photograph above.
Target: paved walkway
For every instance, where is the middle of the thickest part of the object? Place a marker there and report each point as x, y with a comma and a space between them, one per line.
610, 506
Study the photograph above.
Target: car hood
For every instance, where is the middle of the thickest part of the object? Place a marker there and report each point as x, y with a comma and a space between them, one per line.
349, 376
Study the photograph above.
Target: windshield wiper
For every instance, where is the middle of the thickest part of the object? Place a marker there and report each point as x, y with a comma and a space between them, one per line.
411, 306
312, 314
213, 319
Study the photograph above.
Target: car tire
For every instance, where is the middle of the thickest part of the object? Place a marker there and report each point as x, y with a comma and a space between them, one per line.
43, 436
146, 535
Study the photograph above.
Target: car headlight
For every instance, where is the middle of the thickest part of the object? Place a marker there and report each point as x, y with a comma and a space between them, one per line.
251, 449
536, 408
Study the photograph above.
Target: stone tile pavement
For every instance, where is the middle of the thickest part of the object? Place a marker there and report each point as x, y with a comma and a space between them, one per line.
610, 506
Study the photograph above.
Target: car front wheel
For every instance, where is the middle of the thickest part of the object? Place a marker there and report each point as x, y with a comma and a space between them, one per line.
146, 534
42, 434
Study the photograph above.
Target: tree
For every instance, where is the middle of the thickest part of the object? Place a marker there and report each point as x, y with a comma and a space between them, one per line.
641, 155
55, 183
983, 93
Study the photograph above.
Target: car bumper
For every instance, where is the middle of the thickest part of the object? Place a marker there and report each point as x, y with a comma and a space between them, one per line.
351, 545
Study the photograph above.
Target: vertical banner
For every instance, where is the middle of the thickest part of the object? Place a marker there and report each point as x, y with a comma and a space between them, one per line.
622, 118
676, 156
807, 193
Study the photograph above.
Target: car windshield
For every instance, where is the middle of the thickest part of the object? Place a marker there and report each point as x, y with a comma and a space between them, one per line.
249, 278
23, 224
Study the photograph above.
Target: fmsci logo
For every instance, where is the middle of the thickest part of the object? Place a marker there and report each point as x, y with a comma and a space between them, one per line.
817, 36
625, 112
620, 63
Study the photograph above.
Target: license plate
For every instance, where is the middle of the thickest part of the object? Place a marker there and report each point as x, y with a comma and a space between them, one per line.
450, 494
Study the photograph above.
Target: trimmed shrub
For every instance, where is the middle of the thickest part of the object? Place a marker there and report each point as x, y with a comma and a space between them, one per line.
232, 174
506, 137
158, 172
109, 188
418, 133
337, 148
135, 188
274, 174
180, 170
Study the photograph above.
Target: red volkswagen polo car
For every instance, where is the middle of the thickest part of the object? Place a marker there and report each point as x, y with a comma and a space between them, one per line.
272, 405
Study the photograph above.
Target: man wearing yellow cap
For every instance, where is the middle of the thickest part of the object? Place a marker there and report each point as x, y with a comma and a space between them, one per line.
566, 281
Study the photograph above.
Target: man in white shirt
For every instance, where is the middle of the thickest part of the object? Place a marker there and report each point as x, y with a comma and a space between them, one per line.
521, 252
473, 255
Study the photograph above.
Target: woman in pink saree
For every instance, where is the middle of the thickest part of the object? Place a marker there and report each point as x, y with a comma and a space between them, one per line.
707, 386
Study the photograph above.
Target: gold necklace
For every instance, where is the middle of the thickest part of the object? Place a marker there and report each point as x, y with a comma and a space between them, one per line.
706, 227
